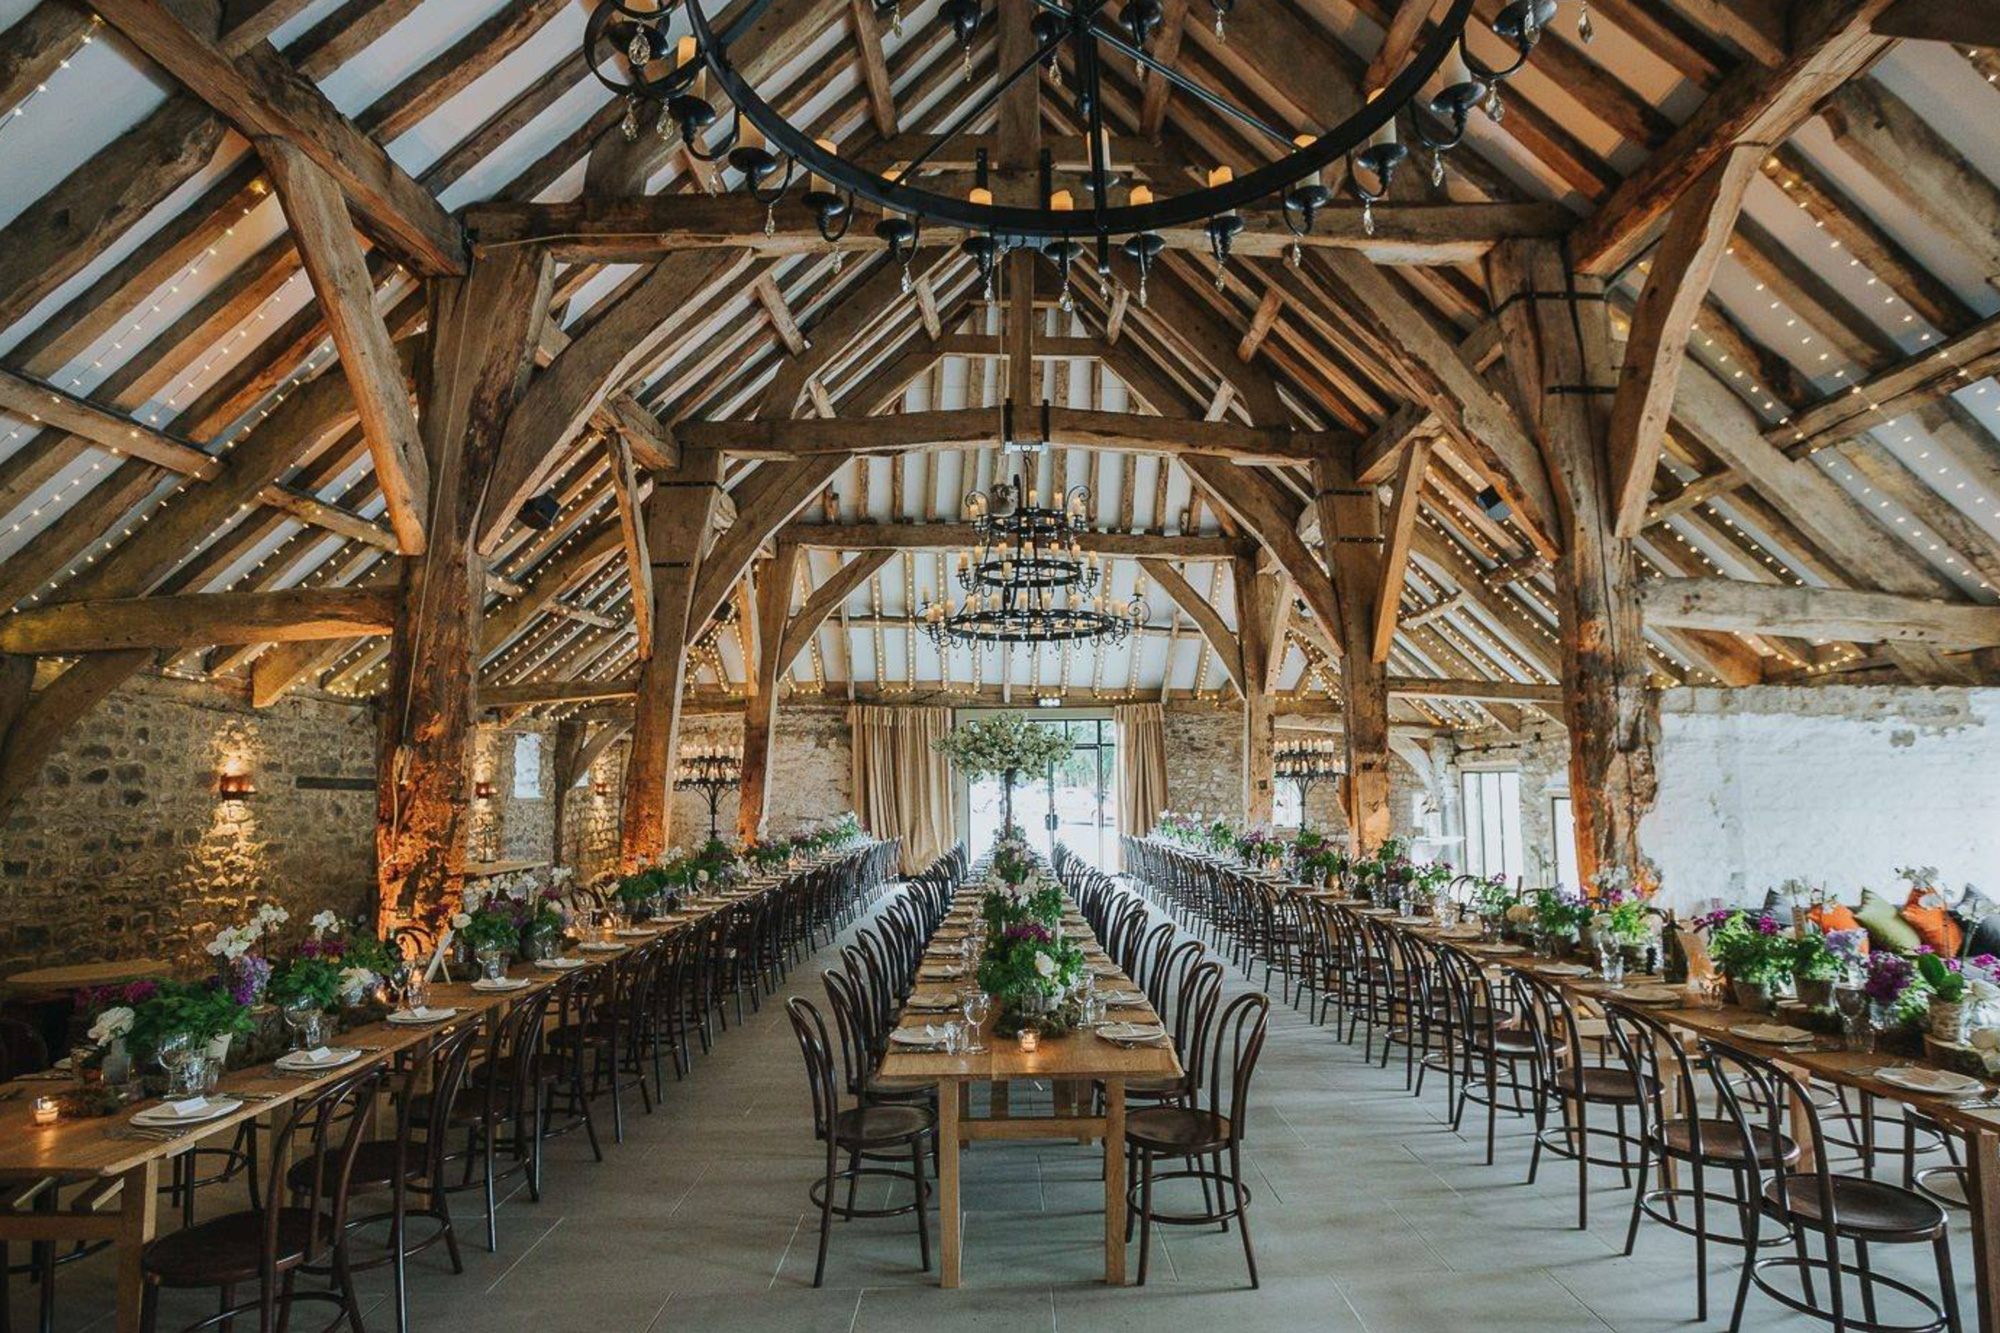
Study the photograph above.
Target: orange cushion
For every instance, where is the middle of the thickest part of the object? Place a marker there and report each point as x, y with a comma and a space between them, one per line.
1830, 917
1927, 916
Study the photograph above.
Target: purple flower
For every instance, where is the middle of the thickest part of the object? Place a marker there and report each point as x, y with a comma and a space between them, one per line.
1889, 975
1766, 926
248, 979
1030, 931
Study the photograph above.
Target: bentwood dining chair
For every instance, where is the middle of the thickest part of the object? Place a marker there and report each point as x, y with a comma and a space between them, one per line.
1207, 1131
1670, 1085
855, 1133
269, 1248
1591, 1104
1834, 1209
502, 1104
410, 1163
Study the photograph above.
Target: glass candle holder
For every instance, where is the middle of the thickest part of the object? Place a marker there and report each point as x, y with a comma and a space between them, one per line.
1030, 1040
46, 1110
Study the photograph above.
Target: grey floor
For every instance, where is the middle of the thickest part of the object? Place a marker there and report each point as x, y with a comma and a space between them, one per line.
1370, 1214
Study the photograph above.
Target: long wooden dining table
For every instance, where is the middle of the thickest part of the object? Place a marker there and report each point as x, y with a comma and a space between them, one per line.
1071, 1064
1825, 1060
119, 1171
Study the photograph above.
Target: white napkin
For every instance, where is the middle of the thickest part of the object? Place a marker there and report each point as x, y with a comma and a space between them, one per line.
188, 1106
318, 1055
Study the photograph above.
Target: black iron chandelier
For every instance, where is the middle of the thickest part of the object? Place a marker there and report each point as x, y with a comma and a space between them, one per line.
1026, 577
628, 45
1306, 763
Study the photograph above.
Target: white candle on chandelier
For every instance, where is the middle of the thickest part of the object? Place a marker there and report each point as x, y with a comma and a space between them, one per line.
1140, 196
1386, 134
980, 195
817, 181
1104, 146
751, 136
1455, 71
1307, 141
1061, 202
689, 53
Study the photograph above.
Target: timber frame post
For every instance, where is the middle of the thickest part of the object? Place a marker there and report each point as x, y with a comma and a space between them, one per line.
484, 330
1352, 529
1555, 325
680, 518
772, 603
1256, 608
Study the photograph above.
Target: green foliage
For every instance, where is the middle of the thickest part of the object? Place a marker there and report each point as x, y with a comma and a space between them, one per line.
1753, 950
1002, 745
314, 979
203, 1010
1813, 961
491, 928
1946, 982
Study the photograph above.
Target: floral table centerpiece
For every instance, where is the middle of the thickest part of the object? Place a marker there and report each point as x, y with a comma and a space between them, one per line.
1005, 746
490, 927
1755, 953
1818, 967
1957, 989
1556, 918
205, 1014
1030, 971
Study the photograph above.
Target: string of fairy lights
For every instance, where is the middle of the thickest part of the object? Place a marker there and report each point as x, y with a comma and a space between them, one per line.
528, 656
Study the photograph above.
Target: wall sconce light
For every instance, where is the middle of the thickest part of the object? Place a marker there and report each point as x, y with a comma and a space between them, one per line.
482, 791
600, 789
234, 787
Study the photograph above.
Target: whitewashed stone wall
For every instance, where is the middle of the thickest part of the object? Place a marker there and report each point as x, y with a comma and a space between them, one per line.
1835, 784
1205, 771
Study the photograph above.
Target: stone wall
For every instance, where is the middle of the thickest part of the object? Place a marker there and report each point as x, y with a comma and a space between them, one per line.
1205, 771
812, 779
123, 850
1836, 784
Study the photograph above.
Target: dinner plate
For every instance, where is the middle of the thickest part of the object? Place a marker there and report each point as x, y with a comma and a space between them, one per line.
1133, 1034
558, 964
1943, 1082
500, 984
1459, 933
1376, 911
164, 1116
1411, 921
600, 946
636, 932
421, 1017
1774, 1034
942, 973
1496, 950
1649, 995
1102, 969
1563, 970
943, 1004
1122, 996
923, 1038
303, 1062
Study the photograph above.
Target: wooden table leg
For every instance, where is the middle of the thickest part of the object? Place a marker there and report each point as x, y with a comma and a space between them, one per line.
140, 1194
948, 1218
1982, 1193
1114, 1181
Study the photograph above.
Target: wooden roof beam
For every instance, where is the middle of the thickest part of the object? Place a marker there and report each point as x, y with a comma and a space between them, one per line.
637, 229
265, 97
1740, 607
120, 624
1755, 105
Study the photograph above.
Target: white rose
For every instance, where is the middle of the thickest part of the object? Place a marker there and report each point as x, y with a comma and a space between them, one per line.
355, 982
110, 1025
1045, 965
460, 920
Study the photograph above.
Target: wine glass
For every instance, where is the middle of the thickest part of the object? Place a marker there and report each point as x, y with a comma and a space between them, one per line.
172, 1052
298, 1011
973, 1003
1611, 961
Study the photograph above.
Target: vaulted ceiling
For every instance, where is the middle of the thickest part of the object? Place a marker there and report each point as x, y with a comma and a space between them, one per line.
163, 347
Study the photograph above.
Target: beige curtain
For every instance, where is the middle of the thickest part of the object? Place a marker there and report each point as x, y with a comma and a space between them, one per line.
1142, 767
902, 787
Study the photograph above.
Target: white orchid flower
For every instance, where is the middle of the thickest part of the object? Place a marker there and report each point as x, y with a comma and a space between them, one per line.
1045, 964
460, 920
323, 922
112, 1024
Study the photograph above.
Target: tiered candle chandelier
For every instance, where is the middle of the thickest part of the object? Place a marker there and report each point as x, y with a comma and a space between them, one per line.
1027, 578
627, 44
1307, 763
710, 770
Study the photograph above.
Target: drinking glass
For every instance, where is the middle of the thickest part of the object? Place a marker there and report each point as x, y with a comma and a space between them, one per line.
1611, 962
299, 1011
1857, 1033
417, 991
973, 1003
172, 1052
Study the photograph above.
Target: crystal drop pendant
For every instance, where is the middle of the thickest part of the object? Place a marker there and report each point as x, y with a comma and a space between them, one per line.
1368, 216
629, 126
771, 219
1583, 26
1437, 170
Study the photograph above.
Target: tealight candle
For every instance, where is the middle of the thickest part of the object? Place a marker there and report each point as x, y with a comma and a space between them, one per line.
1030, 1039
45, 1111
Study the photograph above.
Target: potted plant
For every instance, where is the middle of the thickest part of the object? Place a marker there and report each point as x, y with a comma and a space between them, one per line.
1957, 991
1027, 969
493, 933
1816, 970
204, 1011
1005, 746
1559, 917
1754, 953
